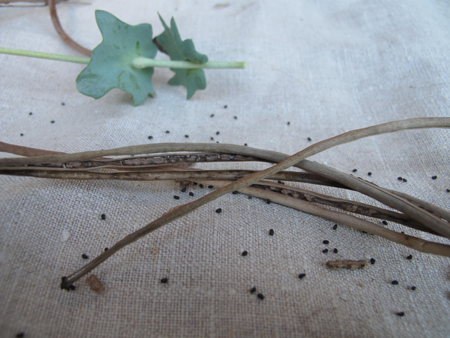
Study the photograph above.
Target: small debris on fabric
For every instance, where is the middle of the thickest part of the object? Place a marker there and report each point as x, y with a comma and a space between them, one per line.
176, 197
335, 227
183, 189
84, 256
30, 113
346, 264
271, 232
302, 275
167, 131
385, 222
106, 249
235, 192
268, 201
260, 296
309, 139
325, 251
289, 123
245, 144
201, 186
399, 178
409, 257
235, 117
150, 137
394, 282
413, 288
164, 280
253, 289
326, 242
103, 216
65, 235
335, 250
354, 170
52, 121
63, 104
21, 134
372, 261
369, 173
405, 180
225, 106
219, 210
400, 314
94, 283
217, 132
191, 193
434, 177
20, 335
210, 186
212, 115
244, 253
187, 136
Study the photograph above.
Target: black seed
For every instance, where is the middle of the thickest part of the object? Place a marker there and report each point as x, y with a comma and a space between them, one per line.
245, 144
400, 314
167, 131
106, 249
434, 177
280, 182
21, 134
372, 261
309, 139
217, 141
191, 193
225, 106
176, 197
335, 227
385, 222
271, 232
52, 121
30, 113
187, 136
399, 178
325, 250
235, 117
268, 201
369, 173
335, 250
63, 104
253, 289
364, 232
260, 296
219, 210
72, 287
217, 132
447, 190
210, 186
84, 256
20, 335
413, 288
183, 189
212, 115
244, 253
409, 257
405, 180
164, 280
200, 185
326, 242
302, 275
289, 123
150, 137
355, 170
235, 192
212, 138
103, 216
250, 197
195, 183
394, 282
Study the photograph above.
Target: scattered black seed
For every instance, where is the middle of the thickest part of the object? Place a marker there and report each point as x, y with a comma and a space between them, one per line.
289, 123
260, 296
106, 249
167, 131
413, 288
268, 201
385, 222
280, 182
150, 137
372, 261
302, 275
84, 256
355, 170
210, 186
164, 280
253, 289
235, 192
325, 250
72, 287
400, 178
195, 183
235, 117
20, 335
434, 177
52, 121
219, 210
212, 115
183, 189
191, 193
335, 250
394, 282
217, 141
30, 113
364, 232
447, 190
404, 180
250, 197
103, 216
409, 257
63, 104
245, 144
176, 197
212, 138
309, 139
271, 232
187, 136
217, 132
21, 134
244, 253
225, 106
335, 227
200, 185
326, 242
369, 173
400, 314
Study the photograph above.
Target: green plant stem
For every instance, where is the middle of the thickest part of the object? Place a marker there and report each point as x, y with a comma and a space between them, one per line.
141, 62
137, 63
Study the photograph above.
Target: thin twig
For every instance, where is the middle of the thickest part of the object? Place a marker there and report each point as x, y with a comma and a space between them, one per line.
24, 151
67, 39
253, 178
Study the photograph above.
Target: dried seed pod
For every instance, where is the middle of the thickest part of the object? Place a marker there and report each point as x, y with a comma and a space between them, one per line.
346, 264
94, 283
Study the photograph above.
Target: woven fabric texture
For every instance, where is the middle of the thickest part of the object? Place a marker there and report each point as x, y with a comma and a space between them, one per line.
315, 69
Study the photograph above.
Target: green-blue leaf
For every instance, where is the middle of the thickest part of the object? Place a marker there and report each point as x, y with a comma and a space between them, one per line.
170, 43
110, 64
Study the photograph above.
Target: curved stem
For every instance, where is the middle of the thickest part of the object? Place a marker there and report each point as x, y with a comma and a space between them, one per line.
141, 62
